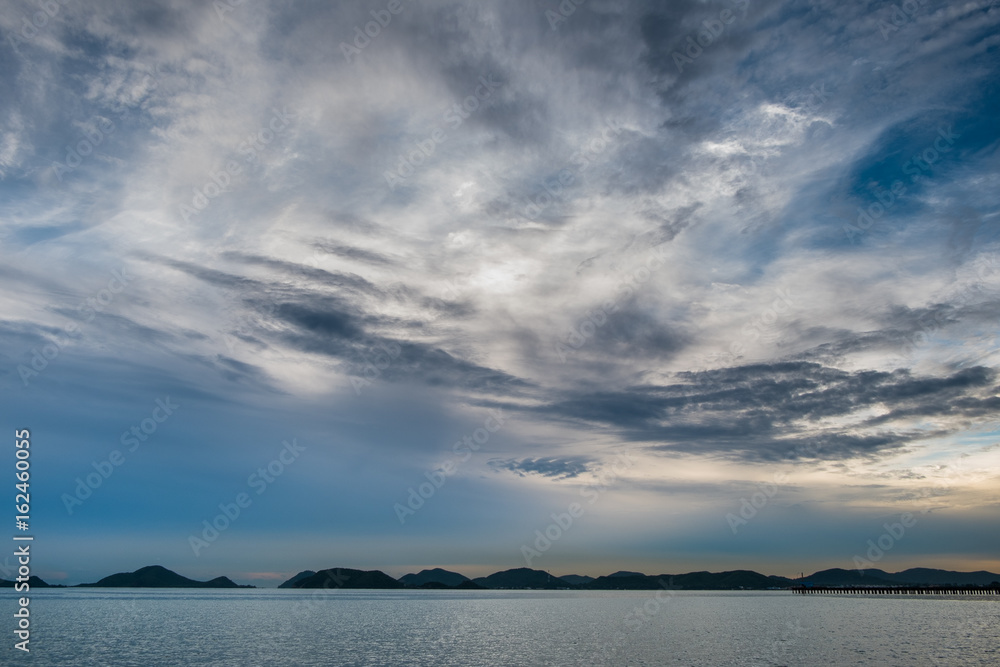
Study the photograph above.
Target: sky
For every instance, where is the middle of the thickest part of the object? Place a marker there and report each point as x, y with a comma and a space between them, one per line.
590, 286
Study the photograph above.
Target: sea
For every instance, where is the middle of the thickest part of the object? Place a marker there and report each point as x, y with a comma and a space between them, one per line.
273, 627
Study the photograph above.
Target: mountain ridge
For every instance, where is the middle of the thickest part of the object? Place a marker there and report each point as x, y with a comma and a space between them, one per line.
157, 576
345, 577
435, 575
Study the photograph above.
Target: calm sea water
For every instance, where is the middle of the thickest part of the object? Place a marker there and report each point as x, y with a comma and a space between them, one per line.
148, 628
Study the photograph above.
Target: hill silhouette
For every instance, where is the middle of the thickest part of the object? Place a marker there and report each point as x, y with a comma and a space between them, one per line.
706, 581
436, 575
33, 582
923, 576
343, 577
522, 577
290, 583
157, 576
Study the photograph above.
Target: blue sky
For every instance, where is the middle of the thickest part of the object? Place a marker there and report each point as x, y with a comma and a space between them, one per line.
491, 259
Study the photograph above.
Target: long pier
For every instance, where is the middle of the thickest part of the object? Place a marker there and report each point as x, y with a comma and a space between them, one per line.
896, 590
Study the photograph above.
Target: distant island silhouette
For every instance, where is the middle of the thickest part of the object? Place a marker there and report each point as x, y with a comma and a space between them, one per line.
151, 576
523, 578
33, 582
157, 576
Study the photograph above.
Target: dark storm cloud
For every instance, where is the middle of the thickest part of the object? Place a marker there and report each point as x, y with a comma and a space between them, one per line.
351, 283
670, 31
552, 467
461, 58
426, 364
344, 336
351, 252
156, 17
213, 276
665, 27
904, 327
773, 411
635, 331
344, 330
330, 278
327, 323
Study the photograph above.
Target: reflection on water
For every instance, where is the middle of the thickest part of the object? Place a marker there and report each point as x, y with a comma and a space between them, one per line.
151, 627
